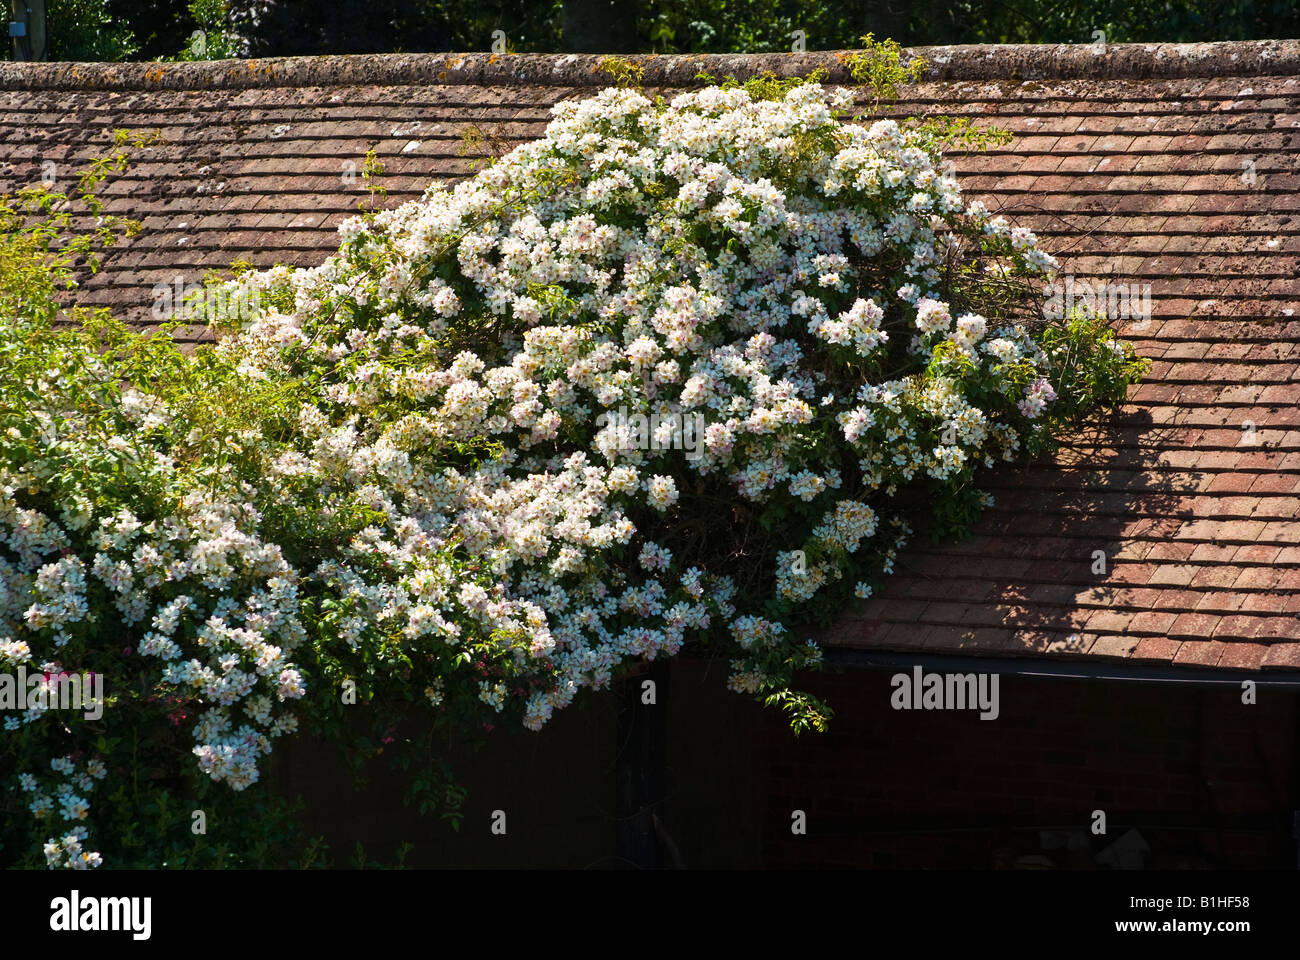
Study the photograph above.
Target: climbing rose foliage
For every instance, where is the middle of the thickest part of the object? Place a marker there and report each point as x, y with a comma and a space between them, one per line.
676, 372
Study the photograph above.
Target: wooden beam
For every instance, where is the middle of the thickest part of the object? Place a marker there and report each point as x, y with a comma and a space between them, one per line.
641, 767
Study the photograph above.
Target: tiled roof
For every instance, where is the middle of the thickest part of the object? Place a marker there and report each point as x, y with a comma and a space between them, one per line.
1169, 165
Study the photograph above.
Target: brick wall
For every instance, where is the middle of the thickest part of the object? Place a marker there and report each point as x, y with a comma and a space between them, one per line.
1206, 780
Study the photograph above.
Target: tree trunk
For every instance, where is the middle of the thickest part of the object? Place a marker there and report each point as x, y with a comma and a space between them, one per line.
32, 45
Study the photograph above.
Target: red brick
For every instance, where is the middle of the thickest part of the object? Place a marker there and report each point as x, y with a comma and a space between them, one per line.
1284, 656
1191, 626
1216, 575
1288, 555
1256, 578
1203, 653
1213, 553
1220, 601
1153, 648
1175, 551
1232, 483
896, 609
985, 640
1115, 621
1242, 530
1073, 644
1113, 647
938, 638
1031, 641
1149, 622
858, 633
1173, 574
1240, 655
1278, 628
901, 636
1288, 579
1235, 627
946, 613
1256, 553
1136, 573
1263, 603
1274, 483
1281, 532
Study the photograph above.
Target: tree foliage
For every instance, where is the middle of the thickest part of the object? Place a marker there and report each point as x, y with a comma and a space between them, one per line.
118, 29
677, 376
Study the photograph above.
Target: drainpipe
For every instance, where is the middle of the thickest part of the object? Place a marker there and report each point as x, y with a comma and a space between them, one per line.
1119, 671
27, 29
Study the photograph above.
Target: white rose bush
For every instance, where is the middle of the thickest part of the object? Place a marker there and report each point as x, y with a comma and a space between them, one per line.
411, 474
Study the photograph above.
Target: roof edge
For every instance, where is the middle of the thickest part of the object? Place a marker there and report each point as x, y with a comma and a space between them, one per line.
1132, 61
1062, 668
